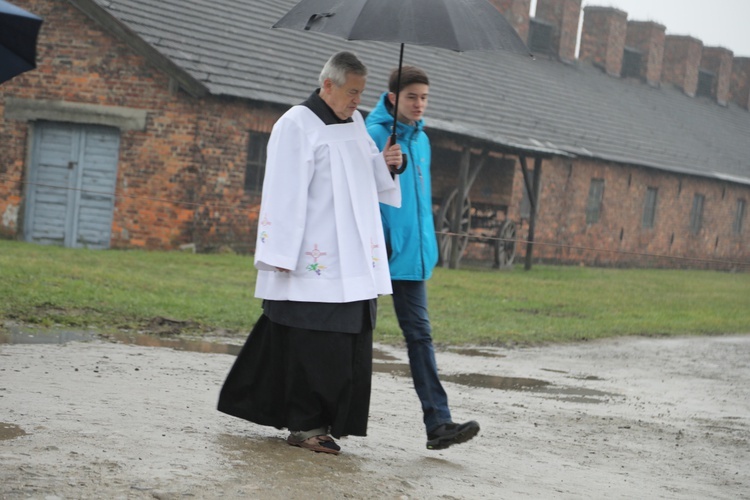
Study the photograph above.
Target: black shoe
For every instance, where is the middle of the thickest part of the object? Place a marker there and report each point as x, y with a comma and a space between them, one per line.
450, 434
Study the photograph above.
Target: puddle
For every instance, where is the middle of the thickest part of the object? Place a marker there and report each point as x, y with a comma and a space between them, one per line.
469, 379
10, 431
178, 344
377, 354
494, 382
380, 362
400, 369
577, 377
476, 352
45, 337
577, 394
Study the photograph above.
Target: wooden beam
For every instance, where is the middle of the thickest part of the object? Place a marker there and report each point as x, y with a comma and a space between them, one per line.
532, 217
527, 182
462, 191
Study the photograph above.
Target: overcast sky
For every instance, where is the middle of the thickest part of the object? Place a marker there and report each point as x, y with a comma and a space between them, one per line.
722, 23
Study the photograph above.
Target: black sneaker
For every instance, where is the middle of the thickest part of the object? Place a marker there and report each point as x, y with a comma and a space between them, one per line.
450, 434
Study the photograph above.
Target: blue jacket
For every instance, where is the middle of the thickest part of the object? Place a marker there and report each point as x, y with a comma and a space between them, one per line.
409, 230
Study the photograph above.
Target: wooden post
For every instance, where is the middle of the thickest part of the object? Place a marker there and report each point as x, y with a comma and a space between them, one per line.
534, 211
463, 177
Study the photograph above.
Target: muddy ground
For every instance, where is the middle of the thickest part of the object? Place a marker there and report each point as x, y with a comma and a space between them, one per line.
83, 416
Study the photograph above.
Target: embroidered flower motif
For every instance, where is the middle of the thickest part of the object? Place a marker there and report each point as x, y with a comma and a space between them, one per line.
316, 266
263, 223
373, 253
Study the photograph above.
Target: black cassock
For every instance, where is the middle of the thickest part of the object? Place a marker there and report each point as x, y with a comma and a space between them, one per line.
302, 379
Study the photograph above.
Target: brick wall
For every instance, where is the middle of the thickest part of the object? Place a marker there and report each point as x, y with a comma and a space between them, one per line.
740, 82
562, 217
648, 38
682, 57
517, 12
181, 180
718, 61
565, 16
603, 38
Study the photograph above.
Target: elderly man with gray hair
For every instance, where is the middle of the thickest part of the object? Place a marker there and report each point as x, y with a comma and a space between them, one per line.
321, 259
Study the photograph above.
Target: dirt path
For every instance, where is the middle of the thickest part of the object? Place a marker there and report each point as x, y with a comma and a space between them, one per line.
623, 418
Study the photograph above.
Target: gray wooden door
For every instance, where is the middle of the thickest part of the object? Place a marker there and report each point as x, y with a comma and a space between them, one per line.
70, 195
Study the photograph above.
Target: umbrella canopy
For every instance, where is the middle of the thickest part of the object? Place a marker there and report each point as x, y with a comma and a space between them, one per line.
18, 34
459, 25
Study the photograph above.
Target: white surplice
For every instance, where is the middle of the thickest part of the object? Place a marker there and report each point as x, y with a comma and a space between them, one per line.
319, 214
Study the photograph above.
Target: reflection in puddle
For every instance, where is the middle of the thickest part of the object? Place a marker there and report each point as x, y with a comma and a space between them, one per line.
381, 363
10, 431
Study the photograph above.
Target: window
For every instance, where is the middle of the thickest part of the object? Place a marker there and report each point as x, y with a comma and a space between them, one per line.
649, 208
256, 161
540, 37
696, 213
631, 63
739, 217
594, 205
705, 83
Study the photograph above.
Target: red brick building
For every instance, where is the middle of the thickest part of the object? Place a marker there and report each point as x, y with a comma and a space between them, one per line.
144, 125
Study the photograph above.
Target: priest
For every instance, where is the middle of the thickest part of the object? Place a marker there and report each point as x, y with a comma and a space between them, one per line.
321, 259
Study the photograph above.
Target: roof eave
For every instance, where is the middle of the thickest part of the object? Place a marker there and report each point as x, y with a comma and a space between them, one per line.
663, 167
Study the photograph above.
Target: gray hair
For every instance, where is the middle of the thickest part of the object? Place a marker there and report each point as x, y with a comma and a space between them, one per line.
339, 66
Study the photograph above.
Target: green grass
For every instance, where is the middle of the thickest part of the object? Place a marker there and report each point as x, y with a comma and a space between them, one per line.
117, 289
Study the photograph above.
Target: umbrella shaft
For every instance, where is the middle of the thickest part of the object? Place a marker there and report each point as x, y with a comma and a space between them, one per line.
398, 91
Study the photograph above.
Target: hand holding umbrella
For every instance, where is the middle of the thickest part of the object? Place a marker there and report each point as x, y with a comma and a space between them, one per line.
393, 156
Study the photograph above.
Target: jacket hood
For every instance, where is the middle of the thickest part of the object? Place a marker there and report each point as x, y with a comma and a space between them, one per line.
383, 115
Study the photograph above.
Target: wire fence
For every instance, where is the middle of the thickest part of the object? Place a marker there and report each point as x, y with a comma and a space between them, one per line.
647, 259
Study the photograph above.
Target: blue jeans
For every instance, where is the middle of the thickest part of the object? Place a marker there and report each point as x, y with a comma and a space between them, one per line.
410, 303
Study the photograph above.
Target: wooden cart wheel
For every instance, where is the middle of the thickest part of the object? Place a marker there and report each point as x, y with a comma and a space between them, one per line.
443, 223
505, 244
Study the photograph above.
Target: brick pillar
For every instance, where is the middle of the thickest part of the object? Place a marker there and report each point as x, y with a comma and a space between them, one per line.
718, 61
648, 38
603, 38
517, 12
682, 57
739, 89
565, 16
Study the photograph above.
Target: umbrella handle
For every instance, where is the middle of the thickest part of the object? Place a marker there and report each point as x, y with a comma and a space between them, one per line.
402, 168
404, 158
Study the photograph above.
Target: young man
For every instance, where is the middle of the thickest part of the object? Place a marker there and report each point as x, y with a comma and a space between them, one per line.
412, 248
320, 254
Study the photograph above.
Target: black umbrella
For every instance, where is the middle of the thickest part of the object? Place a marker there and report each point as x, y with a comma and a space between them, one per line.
18, 33
459, 25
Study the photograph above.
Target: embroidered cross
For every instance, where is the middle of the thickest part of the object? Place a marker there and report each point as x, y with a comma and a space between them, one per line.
315, 253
